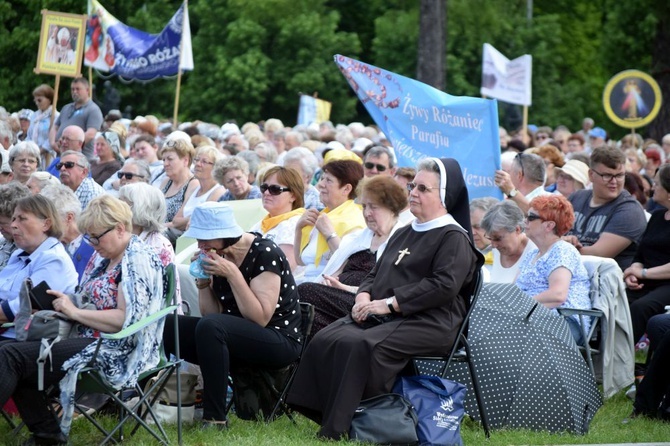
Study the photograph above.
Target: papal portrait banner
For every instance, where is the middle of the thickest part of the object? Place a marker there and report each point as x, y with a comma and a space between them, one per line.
116, 48
61, 44
421, 121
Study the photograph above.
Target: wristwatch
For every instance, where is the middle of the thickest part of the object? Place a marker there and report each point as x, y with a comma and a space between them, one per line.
512, 193
389, 302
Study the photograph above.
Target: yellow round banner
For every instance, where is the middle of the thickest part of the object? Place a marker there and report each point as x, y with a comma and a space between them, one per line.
632, 99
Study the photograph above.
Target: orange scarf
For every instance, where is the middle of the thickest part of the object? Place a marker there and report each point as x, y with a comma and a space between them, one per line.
270, 222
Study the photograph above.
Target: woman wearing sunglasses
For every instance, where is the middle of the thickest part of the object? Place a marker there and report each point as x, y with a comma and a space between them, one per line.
553, 273
283, 192
133, 171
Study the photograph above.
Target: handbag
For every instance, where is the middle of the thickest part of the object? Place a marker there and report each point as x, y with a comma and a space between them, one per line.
439, 407
385, 419
165, 407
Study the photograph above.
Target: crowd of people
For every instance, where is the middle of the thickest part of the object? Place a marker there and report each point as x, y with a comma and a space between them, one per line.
387, 255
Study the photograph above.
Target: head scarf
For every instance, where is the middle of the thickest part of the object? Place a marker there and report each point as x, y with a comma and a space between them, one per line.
454, 193
115, 143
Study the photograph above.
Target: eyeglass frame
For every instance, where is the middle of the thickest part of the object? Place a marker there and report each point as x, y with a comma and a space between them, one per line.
94, 240
379, 167
421, 187
278, 190
120, 175
203, 161
621, 176
533, 217
519, 156
68, 165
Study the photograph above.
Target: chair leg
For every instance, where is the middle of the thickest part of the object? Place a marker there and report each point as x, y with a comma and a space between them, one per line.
282, 396
478, 393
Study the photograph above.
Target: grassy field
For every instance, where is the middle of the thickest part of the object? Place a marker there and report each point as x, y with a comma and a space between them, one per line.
605, 428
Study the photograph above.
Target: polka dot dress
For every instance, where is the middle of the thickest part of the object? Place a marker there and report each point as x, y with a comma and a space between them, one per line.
530, 371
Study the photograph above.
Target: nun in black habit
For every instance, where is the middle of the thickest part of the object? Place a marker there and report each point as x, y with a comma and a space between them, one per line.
423, 279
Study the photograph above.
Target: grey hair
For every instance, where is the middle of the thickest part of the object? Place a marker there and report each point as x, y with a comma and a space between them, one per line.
10, 193
504, 215
142, 167
148, 205
306, 158
24, 148
429, 165
300, 136
483, 204
222, 167
377, 151
45, 179
6, 130
533, 166
81, 158
66, 201
269, 152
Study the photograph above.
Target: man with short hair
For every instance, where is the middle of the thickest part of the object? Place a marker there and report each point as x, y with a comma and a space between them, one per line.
83, 112
74, 168
378, 160
525, 180
72, 138
609, 222
597, 137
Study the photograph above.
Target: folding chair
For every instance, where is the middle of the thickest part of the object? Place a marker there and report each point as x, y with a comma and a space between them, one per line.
92, 380
460, 352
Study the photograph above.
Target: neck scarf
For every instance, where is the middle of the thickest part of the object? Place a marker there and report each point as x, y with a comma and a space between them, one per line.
270, 222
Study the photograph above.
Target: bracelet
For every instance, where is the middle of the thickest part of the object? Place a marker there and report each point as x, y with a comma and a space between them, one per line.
201, 286
644, 273
331, 236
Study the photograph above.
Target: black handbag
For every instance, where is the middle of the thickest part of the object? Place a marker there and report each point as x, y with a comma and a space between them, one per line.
385, 419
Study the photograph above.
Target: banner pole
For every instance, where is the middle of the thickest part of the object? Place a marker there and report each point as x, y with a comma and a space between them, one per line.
181, 52
53, 105
524, 127
90, 79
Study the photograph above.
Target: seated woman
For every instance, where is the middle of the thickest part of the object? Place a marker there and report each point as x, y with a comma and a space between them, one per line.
36, 228
382, 199
553, 273
504, 225
10, 193
233, 174
423, 281
108, 149
126, 287
39, 180
249, 306
282, 190
573, 176
318, 234
24, 159
179, 183
648, 277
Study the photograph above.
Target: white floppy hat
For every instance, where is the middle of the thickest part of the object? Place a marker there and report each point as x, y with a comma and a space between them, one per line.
577, 170
213, 220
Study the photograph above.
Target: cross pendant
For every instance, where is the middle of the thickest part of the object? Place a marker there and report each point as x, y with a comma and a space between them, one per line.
401, 254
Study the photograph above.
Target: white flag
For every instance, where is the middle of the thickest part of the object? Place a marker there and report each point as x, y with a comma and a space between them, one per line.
186, 56
506, 80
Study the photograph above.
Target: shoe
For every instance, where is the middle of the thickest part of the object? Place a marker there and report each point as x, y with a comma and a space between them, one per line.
47, 439
630, 393
633, 415
212, 424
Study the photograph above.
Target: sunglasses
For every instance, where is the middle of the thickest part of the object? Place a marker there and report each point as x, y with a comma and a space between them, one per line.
370, 166
533, 217
94, 240
128, 175
519, 157
421, 187
273, 189
67, 165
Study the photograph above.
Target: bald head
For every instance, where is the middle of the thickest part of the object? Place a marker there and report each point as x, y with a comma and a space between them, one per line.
72, 138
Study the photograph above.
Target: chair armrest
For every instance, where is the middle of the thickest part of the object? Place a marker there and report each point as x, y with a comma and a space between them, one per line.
573, 311
7, 325
139, 325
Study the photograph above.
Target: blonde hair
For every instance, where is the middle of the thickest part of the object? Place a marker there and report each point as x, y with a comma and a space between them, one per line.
105, 212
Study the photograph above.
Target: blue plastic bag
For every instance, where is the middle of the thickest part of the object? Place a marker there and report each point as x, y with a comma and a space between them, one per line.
196, 269
438, 404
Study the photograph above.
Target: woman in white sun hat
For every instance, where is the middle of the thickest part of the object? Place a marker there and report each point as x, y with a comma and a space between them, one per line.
573, 176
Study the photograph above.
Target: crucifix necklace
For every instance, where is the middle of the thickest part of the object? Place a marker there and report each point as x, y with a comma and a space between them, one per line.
401, 254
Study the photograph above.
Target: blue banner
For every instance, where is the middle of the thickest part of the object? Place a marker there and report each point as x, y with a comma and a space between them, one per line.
114, 47
421, 121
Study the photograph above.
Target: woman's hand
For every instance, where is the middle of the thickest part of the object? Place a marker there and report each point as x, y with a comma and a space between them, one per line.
63, 304
308, 218
335, 283
362, 309
324, 225
632, 276
215, 265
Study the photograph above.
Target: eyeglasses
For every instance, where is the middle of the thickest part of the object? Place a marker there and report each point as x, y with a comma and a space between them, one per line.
67, 165
533, 217
541, 136
202, 160
26, 161
273, 189
94, 240
497, 239
421, 187
380, 167
128, 175
607, 177
519, 158
171, 143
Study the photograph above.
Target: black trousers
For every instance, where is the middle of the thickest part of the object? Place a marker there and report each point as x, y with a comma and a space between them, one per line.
656, 382
18, 379
216, 340
644, 304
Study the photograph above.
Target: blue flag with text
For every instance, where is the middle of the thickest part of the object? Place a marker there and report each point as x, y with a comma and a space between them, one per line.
421, 121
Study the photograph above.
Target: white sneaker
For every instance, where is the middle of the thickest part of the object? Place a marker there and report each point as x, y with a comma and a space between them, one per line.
630, 393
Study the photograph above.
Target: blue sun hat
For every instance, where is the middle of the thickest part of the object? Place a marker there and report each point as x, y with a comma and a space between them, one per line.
213, 220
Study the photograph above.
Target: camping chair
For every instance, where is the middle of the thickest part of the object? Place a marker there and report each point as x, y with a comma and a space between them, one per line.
93, 381
610, 339
460, 352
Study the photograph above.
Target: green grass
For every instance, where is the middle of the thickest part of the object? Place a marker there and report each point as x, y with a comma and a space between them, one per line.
606, 427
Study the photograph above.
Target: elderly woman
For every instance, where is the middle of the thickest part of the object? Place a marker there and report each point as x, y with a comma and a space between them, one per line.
573, 176
282, 190
478, 208
208, 189
303, 160
10, 194
249, 306
39, 180
504, 226
125, 287
179, 183
636, 160
420, 289
134, 171
40, 122
233, 174
648, 279
24, 159
382, 199
318, 234
553, 273
108, 149
36, 229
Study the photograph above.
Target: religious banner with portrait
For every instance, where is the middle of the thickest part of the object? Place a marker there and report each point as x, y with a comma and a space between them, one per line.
421, 121
632, 99
61, 44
